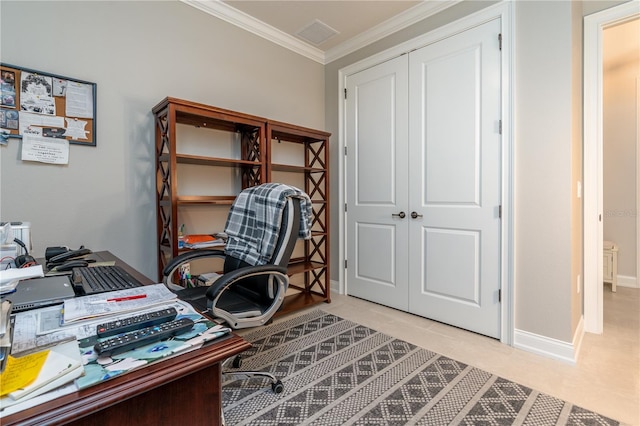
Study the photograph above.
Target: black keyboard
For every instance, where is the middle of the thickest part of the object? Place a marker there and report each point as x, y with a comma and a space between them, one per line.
99, 279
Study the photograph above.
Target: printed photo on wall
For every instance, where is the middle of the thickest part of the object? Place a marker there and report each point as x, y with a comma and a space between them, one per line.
36, 94
8, 89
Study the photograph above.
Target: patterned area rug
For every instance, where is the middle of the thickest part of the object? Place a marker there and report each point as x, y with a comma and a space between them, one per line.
337, 372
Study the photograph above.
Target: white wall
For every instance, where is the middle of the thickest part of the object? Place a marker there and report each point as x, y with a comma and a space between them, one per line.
621, 49
137, 53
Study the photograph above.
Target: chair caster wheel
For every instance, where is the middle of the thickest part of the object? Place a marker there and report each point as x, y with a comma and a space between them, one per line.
237, 362
277, 387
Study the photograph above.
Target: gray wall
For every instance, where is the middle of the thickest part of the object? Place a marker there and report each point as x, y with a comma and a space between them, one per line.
138, 53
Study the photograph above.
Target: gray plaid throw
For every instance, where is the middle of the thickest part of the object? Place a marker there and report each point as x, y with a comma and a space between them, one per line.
255, 217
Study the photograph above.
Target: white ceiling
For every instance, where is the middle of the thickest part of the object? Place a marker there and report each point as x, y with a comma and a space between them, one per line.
357, 23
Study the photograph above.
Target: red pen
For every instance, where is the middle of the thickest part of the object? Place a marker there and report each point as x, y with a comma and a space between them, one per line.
122, 299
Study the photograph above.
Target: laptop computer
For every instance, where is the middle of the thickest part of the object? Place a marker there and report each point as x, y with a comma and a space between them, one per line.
40, 292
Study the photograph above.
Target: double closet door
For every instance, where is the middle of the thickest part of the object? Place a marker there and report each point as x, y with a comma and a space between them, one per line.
423, 181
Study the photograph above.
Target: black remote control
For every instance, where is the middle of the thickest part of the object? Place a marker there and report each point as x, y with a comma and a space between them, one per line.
138, 338
136, 323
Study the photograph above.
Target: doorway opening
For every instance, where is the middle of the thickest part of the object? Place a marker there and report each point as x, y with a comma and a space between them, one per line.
594, 26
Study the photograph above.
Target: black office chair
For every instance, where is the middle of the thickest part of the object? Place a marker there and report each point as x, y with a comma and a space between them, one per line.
263, 225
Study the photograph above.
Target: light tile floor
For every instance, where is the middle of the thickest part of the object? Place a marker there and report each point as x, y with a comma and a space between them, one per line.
606, 378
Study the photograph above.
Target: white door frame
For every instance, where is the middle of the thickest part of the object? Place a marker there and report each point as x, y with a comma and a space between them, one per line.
594, 25
504, 11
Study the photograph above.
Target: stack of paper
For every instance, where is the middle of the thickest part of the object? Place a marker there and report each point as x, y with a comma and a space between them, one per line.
194, 241
32, 375
115, 302
5, 332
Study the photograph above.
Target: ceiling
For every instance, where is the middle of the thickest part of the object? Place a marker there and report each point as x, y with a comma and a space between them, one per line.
300, 25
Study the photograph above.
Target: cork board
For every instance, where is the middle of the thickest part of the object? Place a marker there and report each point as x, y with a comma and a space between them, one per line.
49, 104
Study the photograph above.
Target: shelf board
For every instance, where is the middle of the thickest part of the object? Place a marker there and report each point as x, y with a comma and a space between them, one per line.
297, 267
213, 161
222, 200
291, 168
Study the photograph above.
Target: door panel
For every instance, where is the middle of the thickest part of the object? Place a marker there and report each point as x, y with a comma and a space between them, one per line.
451, 265
454, 164
376, 163
451, 117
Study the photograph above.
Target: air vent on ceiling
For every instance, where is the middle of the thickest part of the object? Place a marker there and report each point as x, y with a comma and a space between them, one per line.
316, 32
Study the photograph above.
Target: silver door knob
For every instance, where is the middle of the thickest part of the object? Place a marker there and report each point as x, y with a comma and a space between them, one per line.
401, 215
415, 215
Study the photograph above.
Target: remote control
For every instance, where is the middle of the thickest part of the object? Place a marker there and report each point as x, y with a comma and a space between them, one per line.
136, 323
138, 338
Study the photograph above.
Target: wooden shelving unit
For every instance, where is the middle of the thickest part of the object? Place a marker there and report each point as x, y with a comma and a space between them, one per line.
313, 170
253, 139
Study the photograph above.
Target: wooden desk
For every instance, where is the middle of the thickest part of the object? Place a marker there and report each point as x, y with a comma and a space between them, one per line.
185, 389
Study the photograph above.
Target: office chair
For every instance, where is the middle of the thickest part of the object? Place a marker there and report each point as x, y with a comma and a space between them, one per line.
262, 227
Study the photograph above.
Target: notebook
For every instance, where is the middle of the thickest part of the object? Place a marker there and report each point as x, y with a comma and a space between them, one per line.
40, 292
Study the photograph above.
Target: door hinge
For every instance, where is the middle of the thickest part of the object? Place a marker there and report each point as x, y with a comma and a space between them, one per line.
345, 207
500, 126
345, 264
499, 44
500, 295
345, 93
500, 211
345, 150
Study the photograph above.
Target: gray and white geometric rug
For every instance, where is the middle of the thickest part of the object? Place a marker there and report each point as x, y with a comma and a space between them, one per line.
337, 372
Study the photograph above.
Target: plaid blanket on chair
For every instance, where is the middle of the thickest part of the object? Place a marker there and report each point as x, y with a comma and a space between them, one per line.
254, 221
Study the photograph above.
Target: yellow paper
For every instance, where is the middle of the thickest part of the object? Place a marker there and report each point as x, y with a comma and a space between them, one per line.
19, 372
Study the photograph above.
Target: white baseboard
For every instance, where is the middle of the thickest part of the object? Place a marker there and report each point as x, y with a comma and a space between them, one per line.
335, 287
627, 281
549, 347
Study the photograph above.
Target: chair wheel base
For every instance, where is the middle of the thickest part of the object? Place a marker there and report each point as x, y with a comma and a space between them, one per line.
237, 362
277, 387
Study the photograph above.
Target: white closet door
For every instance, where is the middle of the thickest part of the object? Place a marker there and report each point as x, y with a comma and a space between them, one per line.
454, 180
376, 169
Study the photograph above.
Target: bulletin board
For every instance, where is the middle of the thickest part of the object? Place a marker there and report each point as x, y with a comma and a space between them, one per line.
47, 104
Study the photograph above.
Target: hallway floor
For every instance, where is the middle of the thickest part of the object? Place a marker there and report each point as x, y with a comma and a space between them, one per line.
606, 378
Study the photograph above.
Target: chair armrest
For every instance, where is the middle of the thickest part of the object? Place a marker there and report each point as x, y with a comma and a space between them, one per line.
173, 266
230, 277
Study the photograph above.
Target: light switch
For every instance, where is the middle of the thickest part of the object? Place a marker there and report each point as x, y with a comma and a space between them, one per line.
579, 189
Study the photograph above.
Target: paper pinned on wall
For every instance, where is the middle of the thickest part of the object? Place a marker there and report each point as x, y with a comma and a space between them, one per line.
76, 128
36, 147
79, 100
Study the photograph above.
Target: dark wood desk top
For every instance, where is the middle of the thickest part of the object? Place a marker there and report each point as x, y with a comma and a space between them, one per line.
90, 400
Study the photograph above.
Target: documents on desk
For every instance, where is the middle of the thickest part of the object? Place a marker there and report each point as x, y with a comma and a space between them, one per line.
9, 278
41, 329
115, 302
61, 364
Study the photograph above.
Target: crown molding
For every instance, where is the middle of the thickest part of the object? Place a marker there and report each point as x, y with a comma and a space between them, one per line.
248, 23
388, 27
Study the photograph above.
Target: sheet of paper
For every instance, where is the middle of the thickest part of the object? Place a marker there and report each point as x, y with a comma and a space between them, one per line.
44, 150
9, 278
79, 100
28, 119
76, 128
62, 360
36, 93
